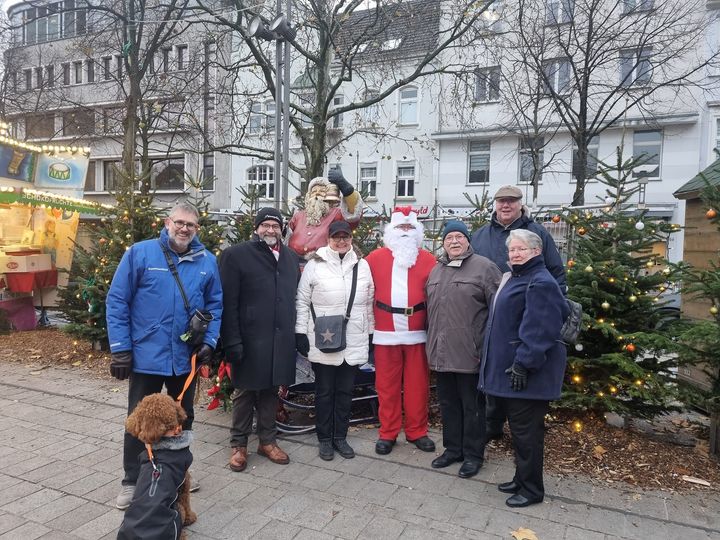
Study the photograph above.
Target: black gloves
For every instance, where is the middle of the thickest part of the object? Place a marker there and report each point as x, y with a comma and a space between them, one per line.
335, 176
518, 377
371, 345
302, 344
121, 365
204, 354
234, 354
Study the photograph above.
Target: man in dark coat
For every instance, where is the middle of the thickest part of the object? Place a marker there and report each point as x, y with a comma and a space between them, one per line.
489, 241
259, 280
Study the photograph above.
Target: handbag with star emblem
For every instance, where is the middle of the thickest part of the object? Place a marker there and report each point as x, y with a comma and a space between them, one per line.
330, 329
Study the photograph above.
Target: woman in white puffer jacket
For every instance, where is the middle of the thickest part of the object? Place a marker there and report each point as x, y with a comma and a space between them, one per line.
326, 282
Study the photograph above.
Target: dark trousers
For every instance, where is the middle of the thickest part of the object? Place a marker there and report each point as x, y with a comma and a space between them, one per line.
333, 400
265, 402
141, 385
463, 415
495, 416
527, 424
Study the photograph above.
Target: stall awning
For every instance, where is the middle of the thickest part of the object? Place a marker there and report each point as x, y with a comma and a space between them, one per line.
9, 195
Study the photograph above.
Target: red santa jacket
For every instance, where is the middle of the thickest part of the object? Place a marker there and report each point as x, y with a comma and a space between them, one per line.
400, 288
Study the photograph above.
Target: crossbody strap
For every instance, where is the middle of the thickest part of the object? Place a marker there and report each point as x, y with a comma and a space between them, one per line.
352, 295
173, 270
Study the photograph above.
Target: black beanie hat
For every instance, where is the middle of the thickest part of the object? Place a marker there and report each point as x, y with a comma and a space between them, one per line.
268, 213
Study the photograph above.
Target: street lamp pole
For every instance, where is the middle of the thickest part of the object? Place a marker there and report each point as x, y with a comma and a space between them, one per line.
280, 32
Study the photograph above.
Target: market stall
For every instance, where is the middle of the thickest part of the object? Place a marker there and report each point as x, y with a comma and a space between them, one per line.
37, 226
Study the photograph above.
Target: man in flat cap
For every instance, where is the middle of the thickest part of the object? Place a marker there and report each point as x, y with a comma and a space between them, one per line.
489, 241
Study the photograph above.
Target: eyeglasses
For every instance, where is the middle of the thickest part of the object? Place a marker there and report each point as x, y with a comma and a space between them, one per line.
270, 226
450, 238
341, 237
519, 250
509, 202
179, 223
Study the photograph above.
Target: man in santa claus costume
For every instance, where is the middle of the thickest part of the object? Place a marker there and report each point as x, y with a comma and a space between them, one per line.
400, 271
308, 228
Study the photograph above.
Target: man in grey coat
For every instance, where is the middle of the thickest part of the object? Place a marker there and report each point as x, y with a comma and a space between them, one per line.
459, 294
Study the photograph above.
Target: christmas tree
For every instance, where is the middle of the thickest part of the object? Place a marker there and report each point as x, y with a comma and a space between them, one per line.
618, 272
134, 218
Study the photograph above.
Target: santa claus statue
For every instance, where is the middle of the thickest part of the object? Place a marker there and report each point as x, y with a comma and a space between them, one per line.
400, 271
308, 228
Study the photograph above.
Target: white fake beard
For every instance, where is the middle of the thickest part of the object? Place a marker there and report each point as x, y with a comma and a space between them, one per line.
315, 210
405, 245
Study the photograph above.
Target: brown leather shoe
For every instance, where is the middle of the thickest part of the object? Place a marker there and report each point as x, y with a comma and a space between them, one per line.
274, 453
238, 459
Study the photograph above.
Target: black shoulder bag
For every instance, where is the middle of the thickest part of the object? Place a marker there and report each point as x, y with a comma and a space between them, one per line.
330, 329
199, 320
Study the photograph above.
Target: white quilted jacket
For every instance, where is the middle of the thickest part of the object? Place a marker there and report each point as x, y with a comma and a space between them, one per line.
327, 281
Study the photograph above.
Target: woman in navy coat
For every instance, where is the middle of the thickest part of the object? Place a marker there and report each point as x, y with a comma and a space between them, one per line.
524, 359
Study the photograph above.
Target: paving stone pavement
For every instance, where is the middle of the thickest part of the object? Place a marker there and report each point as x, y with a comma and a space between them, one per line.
60, 465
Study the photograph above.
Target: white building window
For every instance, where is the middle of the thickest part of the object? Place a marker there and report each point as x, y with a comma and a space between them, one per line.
107, 67
390, 44
591, 165
78, 72
337, 120
557, 76
90, 70
66, 74
263, 178
368, 180
110, 175
168, 174
637, 5
408, 110
208, 173
27, 73
559, 11
262, 117
717, 138
479, 162
635, 66
50, 75
371, 113
487, 84
90, 177
38, 77
647, 146
531, 159
405, 181
181, 57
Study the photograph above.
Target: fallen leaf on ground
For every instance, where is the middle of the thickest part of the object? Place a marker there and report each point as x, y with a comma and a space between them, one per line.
524, 534
598, 452
76, 364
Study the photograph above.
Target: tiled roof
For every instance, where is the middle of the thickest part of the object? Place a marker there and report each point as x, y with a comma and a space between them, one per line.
415, 24
693, 187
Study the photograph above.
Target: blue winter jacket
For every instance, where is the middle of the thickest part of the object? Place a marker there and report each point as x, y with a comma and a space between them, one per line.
145, 310
524, 327
489, 241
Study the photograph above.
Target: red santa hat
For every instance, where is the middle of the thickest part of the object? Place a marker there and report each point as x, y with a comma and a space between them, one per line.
404, 215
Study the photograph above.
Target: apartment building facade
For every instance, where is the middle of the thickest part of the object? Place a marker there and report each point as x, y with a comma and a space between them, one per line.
67, 85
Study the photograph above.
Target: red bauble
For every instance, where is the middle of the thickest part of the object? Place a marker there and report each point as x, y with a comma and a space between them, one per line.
630, 347
153, 224
571, 263
556, 219
581, 230
711, 214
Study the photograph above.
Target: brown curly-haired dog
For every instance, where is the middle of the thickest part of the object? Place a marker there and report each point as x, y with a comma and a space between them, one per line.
161, 505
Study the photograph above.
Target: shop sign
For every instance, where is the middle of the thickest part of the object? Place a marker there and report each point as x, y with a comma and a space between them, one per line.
16, 163
61, 171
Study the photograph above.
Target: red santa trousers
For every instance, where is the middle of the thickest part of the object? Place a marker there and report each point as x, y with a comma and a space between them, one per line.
402, 380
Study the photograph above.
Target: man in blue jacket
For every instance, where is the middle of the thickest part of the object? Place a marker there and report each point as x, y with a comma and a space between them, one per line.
489, 241
147, 319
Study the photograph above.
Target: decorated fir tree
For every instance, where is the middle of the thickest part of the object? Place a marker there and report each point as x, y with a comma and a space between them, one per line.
618, 272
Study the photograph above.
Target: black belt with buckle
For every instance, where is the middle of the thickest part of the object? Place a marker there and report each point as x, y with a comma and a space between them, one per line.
401, 310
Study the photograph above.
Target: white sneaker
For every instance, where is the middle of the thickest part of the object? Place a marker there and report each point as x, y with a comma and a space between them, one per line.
125, 497
194, 485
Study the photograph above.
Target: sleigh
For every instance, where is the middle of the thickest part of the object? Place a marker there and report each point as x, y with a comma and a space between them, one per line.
298, 402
